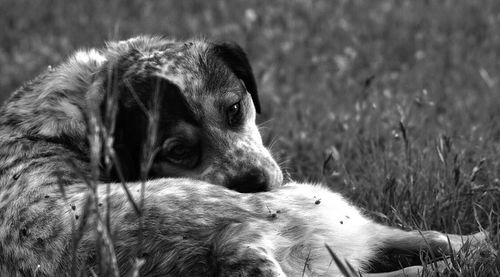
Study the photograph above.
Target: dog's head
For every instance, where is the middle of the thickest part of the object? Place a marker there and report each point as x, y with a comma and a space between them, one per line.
202, 98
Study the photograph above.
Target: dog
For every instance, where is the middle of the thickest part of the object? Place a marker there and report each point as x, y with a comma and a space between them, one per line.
186, 110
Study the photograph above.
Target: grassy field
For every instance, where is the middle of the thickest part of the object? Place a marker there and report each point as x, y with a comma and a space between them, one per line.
395, 103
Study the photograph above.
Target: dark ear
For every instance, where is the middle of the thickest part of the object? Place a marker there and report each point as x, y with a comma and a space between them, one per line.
120, 110
236, 59
143, 96
125, 102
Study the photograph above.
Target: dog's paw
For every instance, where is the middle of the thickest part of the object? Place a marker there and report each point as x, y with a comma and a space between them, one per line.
461, 242
260, 268
239, 249
250, 262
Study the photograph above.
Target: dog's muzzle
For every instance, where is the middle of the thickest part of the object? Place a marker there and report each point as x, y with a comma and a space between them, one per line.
254, 180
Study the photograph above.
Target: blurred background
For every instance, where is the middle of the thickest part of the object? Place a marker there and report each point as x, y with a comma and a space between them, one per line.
395, 103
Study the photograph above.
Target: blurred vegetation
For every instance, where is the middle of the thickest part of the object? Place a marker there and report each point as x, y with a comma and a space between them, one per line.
395, 103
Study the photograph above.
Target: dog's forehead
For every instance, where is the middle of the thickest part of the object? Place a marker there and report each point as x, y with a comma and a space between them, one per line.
177, 62
192, 66
197, 72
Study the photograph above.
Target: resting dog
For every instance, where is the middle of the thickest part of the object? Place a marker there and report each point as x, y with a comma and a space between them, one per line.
204, 99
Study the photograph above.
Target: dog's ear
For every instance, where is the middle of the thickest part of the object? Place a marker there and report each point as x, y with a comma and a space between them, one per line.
107, 117
236, 59
120, 102
125, 100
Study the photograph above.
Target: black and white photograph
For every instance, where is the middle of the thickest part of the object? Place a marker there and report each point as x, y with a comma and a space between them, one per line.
221, 138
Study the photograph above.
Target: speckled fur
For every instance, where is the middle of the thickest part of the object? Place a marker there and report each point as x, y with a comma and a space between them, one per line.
44, 124
191, 228
55, 106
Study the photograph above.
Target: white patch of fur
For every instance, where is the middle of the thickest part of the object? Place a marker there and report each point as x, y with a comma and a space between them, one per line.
326, 218
49, 128
70, 110
253, 132
89, 56
177, 79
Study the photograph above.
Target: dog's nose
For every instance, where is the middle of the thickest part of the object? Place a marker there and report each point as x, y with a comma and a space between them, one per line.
254, 180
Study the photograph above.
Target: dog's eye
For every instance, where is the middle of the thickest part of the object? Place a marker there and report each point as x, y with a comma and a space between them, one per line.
234, 114
179, 153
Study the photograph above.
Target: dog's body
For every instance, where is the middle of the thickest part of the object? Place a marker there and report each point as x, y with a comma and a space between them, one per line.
193, 228
199, 95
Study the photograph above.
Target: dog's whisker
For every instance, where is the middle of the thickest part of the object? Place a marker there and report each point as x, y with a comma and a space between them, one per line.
273, 142
265, 123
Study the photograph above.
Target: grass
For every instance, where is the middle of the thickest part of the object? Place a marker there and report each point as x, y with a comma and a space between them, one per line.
395, 103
